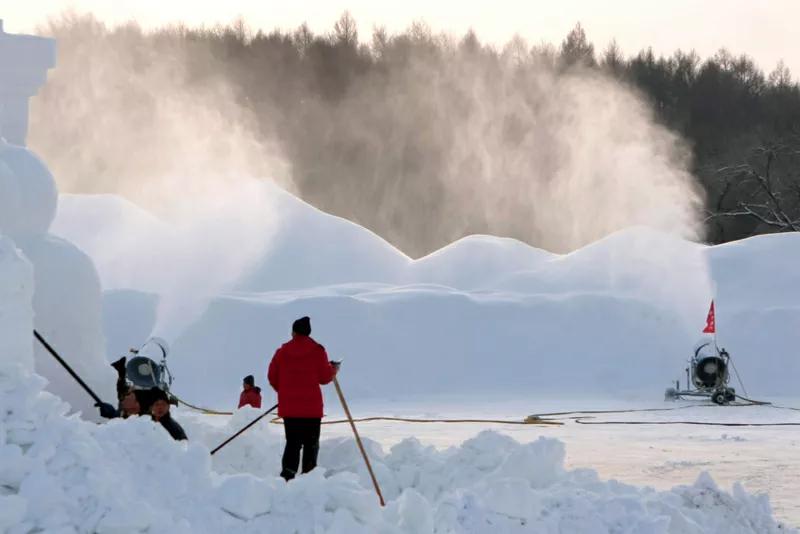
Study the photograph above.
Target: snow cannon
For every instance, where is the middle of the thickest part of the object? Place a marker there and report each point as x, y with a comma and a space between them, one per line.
143, 371
706, 376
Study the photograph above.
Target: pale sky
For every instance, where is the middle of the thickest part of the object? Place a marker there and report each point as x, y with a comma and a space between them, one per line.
767, 30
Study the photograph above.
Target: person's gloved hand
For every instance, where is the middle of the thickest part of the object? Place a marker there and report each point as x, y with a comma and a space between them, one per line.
336, 365
106, 410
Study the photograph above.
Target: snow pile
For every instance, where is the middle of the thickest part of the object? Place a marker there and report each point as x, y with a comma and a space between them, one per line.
134, 247
62, 474
616, 318
477, 262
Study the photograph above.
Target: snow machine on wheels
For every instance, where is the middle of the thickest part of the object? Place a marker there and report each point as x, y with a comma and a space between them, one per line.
706, 376
140, 370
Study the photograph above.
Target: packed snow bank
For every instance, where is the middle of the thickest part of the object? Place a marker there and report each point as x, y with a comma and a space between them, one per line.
477, 262
404, 342
135, 246
485, 314
753, 273
68, 313
62, 474
16, 314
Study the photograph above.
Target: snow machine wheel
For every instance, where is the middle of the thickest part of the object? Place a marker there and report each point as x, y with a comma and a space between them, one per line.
719, 397
730, 394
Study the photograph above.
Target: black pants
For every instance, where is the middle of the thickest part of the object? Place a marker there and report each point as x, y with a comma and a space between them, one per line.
300, 433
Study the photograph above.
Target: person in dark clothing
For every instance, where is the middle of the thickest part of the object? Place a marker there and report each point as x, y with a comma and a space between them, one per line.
159, 410
251, 394
130, 401
130, 404
296, 372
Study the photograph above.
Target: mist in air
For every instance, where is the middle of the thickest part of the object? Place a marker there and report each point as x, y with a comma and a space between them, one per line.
421, 137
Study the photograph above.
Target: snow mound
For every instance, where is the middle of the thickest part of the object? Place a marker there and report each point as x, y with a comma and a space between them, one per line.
62, 474
68, 304
342, 251
312, 248
626, 262
402, 342
477, 261
753, 273
617, 317
113, 231
309, 248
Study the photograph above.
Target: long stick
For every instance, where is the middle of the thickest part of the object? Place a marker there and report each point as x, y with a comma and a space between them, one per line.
358, 440
52, 351
251, 423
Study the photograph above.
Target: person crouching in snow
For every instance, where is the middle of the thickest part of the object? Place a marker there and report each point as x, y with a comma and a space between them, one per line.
296, 372
129, 405
159, 410
251, 394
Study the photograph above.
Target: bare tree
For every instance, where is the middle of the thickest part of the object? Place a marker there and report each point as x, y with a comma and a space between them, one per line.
764, 188
613, 60
303, 38
345, 30
576, 48
781, 76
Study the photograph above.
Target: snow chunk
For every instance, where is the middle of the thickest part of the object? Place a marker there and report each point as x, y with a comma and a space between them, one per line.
245, 496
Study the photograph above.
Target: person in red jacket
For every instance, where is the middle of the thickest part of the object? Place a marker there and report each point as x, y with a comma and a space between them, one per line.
296, 372
251, 394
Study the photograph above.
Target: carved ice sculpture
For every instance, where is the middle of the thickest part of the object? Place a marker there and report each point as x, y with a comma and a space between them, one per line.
67, 296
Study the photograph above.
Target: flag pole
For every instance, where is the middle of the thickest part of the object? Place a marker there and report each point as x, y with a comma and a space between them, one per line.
716, 345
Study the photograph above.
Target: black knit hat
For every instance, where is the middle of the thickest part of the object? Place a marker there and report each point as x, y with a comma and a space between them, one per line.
249, 380
302, 326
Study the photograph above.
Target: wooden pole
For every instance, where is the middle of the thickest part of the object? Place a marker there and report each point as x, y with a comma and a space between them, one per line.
66, 366
358, 441
251, 423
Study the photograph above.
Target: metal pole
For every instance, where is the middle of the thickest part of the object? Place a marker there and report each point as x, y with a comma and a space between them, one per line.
52, 351
254, 421
358, 441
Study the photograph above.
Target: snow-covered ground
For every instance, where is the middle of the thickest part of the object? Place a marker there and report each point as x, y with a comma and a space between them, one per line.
764, 459
486, 327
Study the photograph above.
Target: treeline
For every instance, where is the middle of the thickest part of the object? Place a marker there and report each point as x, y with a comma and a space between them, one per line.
370, 124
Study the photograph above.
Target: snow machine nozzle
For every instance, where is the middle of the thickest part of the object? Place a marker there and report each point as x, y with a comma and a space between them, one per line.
706, 376
140, 370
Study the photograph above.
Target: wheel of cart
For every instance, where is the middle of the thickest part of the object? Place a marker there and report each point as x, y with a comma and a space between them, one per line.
720, 397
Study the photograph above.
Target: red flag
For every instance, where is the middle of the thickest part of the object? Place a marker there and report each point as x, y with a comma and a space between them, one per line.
711, 322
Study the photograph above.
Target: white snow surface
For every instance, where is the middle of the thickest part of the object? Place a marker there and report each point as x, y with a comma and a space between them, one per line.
63, 474
484, 315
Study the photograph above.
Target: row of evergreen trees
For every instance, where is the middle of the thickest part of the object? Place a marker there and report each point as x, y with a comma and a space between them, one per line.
357, 120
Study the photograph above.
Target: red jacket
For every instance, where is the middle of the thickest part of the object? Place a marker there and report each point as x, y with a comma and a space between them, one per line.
296, 372
251, 396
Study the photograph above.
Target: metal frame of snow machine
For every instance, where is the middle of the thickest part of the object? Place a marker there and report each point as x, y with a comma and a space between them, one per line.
144, 373
706, 376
